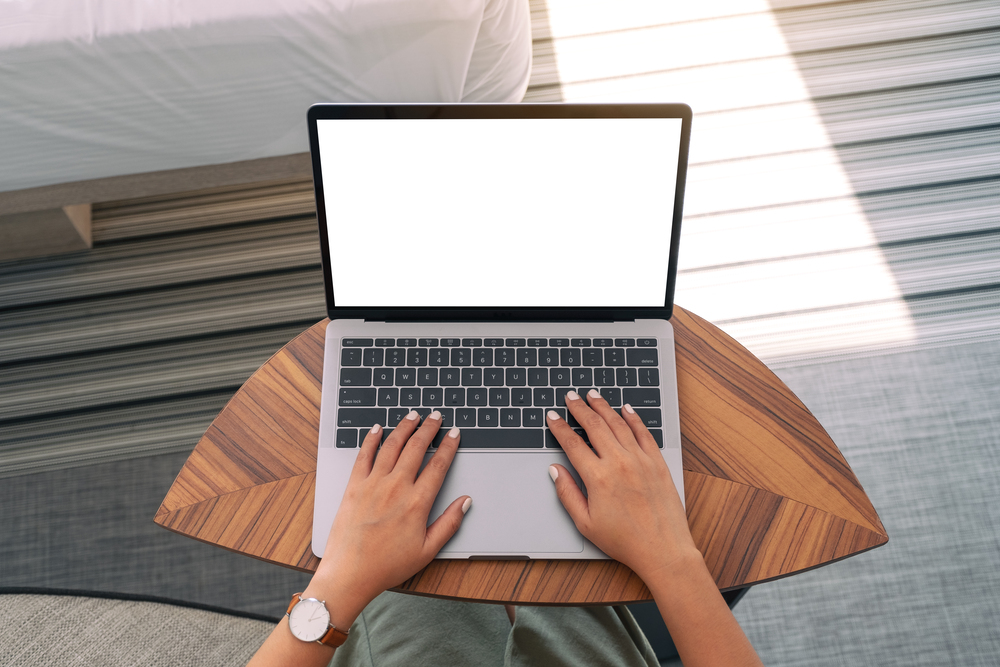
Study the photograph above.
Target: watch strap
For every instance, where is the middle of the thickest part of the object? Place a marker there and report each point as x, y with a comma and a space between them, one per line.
333, 638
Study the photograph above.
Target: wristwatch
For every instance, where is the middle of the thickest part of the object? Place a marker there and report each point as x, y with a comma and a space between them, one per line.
309, 621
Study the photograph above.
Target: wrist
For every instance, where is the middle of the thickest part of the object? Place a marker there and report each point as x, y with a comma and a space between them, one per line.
682, 568
344, 602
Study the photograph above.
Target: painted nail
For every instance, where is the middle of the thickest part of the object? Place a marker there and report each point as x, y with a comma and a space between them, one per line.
435, 415
572, 396
554, 415
453, 433
593, 393
466, 505
413, 415
376, 428
554, 473
628, 409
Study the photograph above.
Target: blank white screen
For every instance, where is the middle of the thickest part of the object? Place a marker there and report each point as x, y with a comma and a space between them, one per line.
499, 212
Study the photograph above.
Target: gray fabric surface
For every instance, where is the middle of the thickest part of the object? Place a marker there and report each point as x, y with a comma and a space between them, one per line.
42, 630
922, 431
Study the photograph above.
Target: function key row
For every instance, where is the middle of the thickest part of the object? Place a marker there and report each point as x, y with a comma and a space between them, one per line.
498, 342
500, 356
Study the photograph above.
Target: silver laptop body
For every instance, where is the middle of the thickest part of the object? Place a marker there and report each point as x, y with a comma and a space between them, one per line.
482, 260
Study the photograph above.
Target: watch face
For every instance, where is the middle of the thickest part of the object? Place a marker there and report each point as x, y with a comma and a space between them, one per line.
309, 620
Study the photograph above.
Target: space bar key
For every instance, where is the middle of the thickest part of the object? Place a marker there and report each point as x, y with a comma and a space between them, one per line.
481, 438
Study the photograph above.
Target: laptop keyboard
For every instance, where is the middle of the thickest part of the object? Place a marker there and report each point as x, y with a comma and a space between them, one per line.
497, 390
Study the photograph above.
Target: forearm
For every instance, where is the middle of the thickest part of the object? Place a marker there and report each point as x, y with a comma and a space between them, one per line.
700, 622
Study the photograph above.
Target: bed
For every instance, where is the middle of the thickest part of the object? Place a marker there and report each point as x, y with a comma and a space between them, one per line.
101, 98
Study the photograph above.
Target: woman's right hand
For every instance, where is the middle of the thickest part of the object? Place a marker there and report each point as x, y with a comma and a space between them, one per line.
632, 510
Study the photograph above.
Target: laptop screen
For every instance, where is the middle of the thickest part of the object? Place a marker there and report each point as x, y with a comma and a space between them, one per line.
499, 212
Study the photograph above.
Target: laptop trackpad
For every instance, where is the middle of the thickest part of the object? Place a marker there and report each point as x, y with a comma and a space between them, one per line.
515, 510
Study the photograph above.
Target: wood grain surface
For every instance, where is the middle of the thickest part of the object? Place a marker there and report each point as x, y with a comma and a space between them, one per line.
768, 493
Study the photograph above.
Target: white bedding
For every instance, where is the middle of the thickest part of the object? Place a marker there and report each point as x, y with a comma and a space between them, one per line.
95, 88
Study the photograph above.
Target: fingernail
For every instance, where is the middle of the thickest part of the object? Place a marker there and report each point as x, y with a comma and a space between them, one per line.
572, 396
413, 415
435, 415
375, 429
554, 473
554, 415
628, 409
593, 393
453, 433
466, 505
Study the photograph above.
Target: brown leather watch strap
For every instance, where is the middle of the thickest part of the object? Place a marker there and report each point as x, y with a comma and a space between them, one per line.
333, 637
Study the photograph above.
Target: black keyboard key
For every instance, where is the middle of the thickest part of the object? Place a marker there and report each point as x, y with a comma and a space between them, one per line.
385, 342
638, 398
538, 377
493, 342
395, 356
583, 377
454, 396
388, 397
477, 396
537, 342
360, 417
520, 397
533, 417
545, 396
569, 357
461, 356
550, 440
613, 395
396, 415
465, 417
450, 377
472, 377
386, 432
350, 356
625, 377
527, 356
580, 342
428, 342
433, 397
657, 436
561, 412
559, 342
624, 342
505, 356
482, 356
642, 357
447, 417
450, 342
384, 377
357, 396
347, 437
603, 342
409, 396
373, 356
548, 357
355, 377
604, 377
650, 417
472, 342
614, 357
356, 342
406, 342
559, 377
649, 377
493, 377
427, 377
516, 377
406, 377
583, 391
510, 418
423, 412
593, 356
500, 397
646, 342
487, 417
416, 357
438, 356
561, 397
477, 438
515, 342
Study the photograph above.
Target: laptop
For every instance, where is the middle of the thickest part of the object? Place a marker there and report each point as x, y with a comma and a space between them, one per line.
482, 260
